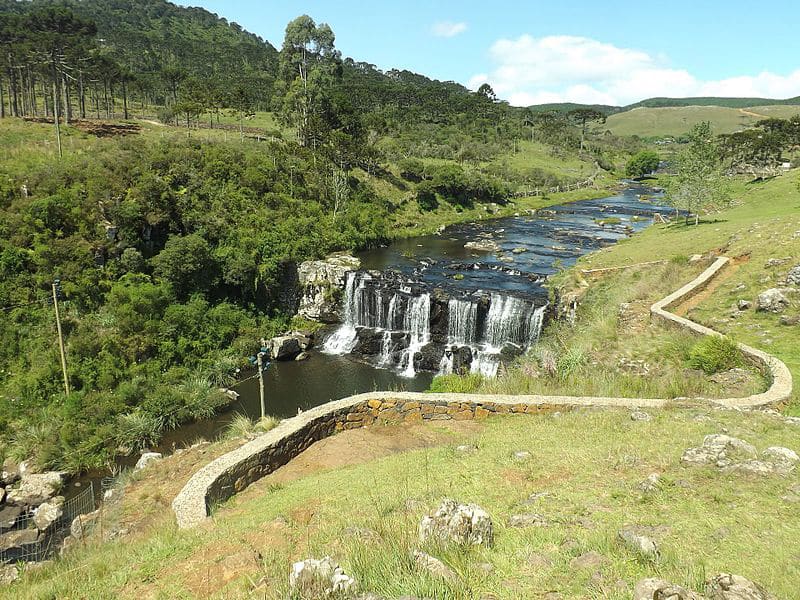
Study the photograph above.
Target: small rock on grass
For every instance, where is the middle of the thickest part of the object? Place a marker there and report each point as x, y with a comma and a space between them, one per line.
638, 542
651, 484
434, 566
312, 579
522, 455
527, 520
640, 415
465, 524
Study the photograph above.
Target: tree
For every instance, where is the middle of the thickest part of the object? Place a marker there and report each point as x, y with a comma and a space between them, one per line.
582, 117
753, 151
642, 163
186, 263
699, 181
309, 62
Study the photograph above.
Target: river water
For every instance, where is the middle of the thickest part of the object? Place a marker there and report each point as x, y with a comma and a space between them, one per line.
491, 301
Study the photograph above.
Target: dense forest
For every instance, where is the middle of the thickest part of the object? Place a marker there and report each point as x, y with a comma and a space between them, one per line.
173, 253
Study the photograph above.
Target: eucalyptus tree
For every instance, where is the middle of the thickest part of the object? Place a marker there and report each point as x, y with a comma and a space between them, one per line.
309, 65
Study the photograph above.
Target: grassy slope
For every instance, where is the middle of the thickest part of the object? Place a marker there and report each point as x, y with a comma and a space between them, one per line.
705, 522
657, 122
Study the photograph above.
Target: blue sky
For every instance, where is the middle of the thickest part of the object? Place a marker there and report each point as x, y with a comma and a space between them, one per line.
612, 52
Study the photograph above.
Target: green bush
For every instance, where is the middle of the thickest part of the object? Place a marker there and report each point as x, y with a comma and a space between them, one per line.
715, 353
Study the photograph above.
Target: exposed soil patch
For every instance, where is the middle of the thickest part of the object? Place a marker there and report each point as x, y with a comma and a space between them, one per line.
727, 272
96, 128
358, 446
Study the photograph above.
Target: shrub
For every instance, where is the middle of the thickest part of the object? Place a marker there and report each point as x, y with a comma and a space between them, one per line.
138, 430
715, 353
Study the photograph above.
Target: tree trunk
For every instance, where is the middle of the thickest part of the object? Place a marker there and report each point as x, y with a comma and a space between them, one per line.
82, 94
55, 109
125, 99
65, 108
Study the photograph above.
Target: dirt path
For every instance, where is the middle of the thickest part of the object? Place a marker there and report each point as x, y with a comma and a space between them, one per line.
753, 114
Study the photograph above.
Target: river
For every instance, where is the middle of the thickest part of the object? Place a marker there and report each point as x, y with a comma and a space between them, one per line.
428, 304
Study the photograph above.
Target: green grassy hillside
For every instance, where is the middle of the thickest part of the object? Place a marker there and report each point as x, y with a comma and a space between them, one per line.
675, 121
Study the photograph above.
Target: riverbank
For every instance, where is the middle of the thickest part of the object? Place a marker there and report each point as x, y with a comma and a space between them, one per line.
410, 222
612, 344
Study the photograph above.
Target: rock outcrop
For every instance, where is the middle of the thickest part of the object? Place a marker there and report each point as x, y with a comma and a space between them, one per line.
312, 579
772, 301
36, 488
463, 524
321, 283
726, 586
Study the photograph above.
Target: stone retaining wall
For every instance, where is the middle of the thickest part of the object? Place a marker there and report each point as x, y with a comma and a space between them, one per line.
233, 472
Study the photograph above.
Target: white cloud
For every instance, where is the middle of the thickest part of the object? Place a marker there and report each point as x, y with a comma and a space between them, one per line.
563, 68
448, 29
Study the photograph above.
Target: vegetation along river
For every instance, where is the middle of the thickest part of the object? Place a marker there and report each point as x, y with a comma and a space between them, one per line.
429, 305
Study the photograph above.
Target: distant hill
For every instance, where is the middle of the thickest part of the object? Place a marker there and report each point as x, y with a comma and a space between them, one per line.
671, 103
712, 101
151, 37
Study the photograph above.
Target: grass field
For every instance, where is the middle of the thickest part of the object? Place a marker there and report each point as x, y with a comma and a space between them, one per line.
587, 466
662, 122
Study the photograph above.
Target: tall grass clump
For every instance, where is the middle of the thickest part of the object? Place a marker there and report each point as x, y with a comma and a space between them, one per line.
715, 353
456, 384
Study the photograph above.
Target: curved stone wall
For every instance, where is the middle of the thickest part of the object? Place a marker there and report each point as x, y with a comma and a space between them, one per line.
233, 472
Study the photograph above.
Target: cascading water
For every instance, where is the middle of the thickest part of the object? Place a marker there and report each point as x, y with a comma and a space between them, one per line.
462, 321
390, 324
344, 338
417, 323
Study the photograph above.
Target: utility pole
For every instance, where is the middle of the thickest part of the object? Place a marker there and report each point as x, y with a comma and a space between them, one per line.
260, 361
56, 291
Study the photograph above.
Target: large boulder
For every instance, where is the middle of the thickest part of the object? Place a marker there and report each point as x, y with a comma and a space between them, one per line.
772, 301
8, 574
369, 342
720, 450
726, 586
19, 544
312, 579
464, 524
285, 347
82, 525
9, 516
48, 514
35, 488
462, 359
793, 278
429, 357
321, 283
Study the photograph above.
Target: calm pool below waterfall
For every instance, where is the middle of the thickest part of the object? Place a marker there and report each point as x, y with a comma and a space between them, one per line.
428, 304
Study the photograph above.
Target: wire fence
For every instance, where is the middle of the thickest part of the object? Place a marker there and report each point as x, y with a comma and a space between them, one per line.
23, 541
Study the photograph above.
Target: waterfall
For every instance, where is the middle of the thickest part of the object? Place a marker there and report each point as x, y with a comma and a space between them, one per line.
390, 317
417, 323
395, 316
462, 322
345, 337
